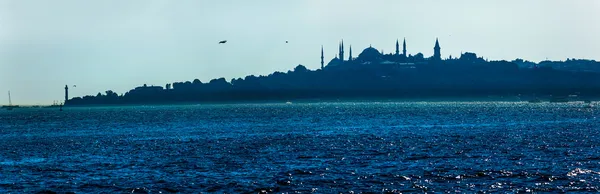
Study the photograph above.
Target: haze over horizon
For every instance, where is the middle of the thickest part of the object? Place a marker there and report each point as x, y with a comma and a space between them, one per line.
118, 45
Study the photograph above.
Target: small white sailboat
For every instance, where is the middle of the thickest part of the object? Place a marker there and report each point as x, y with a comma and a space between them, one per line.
10, 106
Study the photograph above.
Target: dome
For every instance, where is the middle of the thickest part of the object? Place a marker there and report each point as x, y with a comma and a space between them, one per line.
369, 54
334, 62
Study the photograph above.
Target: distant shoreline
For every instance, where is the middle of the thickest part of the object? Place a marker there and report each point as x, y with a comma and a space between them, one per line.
391, 100
344, 100
377, 76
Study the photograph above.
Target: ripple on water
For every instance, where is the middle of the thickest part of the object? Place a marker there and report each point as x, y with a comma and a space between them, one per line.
303, 147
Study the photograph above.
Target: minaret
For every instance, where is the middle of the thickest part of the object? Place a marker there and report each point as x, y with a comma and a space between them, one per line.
322, 62
339, 49
66, 93
342, 51
436, 50
350, 57
404, 48
397, 48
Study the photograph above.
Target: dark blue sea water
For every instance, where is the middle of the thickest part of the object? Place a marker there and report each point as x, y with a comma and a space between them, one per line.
310, 147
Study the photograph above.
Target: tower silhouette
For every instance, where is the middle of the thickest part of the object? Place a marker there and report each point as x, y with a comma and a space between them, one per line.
342, 50
66, 93
397, 48
322, 62
339, 50
350, 57
404, 48
436, 50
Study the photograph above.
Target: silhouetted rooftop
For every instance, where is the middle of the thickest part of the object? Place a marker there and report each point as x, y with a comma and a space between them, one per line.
369, 54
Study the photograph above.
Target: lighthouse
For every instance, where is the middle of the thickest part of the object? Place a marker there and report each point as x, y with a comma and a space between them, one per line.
66, 93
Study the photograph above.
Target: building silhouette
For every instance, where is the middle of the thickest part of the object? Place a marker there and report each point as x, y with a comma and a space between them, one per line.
350, 57
322, 57
66, 93
341, 54
372, 56
437, 55
397, 48
404, 48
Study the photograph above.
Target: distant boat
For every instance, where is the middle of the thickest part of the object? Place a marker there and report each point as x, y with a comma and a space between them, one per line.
288, 102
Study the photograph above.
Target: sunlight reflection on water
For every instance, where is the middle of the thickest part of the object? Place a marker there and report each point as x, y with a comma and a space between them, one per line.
305, 147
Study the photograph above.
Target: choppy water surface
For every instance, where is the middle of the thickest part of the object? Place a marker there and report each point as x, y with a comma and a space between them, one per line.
312, 147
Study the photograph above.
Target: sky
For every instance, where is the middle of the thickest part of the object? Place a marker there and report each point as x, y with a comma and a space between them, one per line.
101, 45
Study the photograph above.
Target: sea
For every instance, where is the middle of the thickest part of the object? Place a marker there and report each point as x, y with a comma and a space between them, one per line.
334, 147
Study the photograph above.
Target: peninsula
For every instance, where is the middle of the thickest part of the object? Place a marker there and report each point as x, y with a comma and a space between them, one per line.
377, 75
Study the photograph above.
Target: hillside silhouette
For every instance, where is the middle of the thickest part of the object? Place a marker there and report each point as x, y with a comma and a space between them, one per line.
373, 74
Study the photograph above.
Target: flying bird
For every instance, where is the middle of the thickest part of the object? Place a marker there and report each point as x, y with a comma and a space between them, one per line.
286, 41
222, 41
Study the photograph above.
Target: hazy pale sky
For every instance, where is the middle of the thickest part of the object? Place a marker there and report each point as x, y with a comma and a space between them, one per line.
114, 44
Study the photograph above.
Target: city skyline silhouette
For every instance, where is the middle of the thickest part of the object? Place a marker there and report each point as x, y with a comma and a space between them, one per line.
376, 75
99, 46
